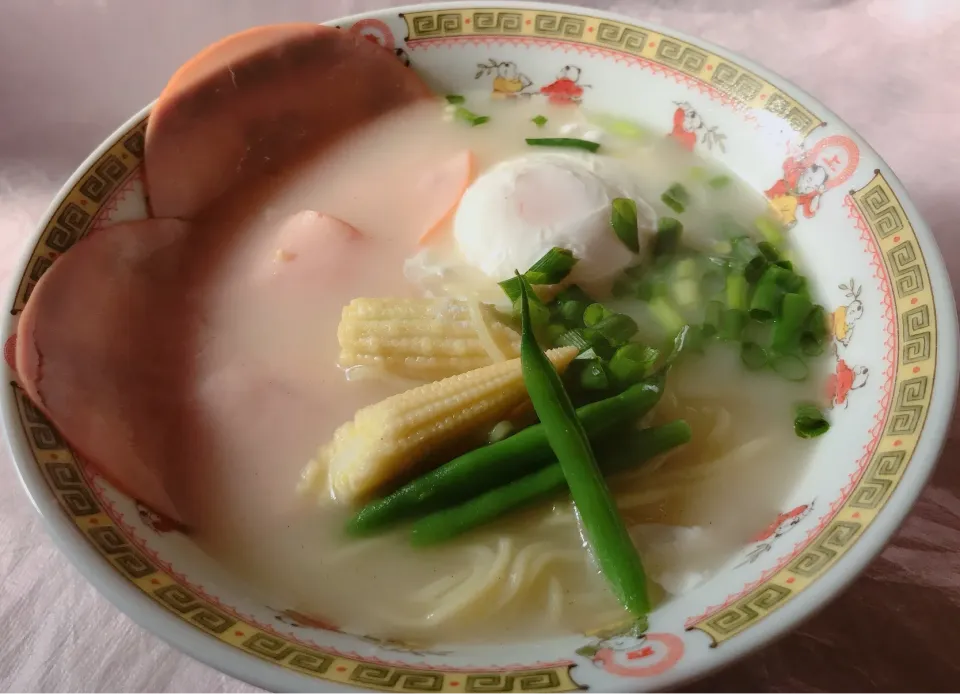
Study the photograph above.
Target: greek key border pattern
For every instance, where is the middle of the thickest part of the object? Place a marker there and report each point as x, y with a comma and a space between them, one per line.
913, 388
76, 214
735, 81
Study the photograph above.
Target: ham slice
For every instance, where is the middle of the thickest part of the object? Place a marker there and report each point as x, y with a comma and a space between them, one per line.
94, 346
259, 101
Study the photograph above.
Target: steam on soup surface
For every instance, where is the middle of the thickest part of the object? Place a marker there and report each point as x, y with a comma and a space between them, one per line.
527, 573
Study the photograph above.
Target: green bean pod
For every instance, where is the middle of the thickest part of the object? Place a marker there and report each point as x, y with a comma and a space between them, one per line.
603, 527
614, 456
493, 465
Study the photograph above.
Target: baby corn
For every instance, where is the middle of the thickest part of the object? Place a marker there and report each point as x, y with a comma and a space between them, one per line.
426, 339
386, 441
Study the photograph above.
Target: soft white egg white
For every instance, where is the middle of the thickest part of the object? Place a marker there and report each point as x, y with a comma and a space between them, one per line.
519, 209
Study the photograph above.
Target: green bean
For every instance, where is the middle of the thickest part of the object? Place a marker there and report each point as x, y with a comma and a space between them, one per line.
615, 455
490, 466
603, 527
788, 329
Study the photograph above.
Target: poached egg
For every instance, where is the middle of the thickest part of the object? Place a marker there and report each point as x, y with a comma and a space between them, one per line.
519, 209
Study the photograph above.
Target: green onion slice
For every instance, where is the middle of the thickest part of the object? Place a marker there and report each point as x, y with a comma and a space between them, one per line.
469, 116
552, 268
809, 422
569, 142
623, 219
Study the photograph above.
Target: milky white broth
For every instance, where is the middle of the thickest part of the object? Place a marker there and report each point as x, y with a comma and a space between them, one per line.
275, 393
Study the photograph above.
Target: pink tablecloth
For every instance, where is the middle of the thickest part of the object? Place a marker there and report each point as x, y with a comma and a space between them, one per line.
71, 70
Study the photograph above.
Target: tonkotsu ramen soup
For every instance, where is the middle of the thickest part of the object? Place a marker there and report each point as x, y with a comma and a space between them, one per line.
439, 368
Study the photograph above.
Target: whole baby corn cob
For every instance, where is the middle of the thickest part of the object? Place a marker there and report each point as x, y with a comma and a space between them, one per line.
386, 441
423, 338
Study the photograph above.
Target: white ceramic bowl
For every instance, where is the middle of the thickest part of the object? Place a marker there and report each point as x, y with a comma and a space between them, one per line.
894, 385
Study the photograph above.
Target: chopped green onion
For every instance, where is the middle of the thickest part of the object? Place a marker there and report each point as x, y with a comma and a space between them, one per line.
698, 173
676, 197
685, 269
809, 421
594, 313
789, 281
552, 268
570, 142
632, 362
817, 323
713, 317
790, 366
574, 338
672, 203
469, 116
767, 297
732, 323
669, 231
694, 340
754, 269
686, 293
744, 248
732, 229
718, 182
666, 315
623, 219
593, 376
616, 328
753, 356
759, 332
573, 292
770, 230
539, 121
788, 329
769, 251
555, 332
810, 345
572, 312
712, 282
736, 292
620, 127
455, 99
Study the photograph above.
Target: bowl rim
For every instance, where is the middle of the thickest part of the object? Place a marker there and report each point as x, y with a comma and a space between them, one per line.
235, 663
